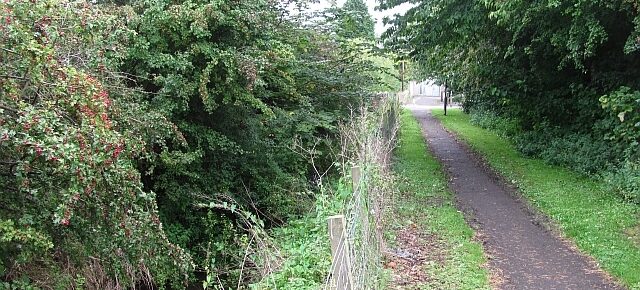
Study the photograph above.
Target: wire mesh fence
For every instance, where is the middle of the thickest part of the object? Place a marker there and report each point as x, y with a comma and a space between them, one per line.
356, 234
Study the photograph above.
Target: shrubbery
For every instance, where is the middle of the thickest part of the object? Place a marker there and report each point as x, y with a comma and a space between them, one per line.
151, 142
581, 152
304, 244
587, 153
74, 211
626, 181
505, 127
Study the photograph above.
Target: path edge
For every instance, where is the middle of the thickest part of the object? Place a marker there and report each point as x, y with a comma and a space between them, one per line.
539, 218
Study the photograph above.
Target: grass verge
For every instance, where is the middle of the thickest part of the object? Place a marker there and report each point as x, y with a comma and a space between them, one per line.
595, 219
454, 260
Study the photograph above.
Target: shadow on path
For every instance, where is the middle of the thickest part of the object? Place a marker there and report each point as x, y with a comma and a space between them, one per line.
522, 254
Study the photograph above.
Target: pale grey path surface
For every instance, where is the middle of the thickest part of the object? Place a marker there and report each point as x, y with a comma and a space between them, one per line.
522, 253
426, 103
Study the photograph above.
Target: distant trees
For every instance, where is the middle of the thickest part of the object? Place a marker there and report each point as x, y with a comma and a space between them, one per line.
354, 21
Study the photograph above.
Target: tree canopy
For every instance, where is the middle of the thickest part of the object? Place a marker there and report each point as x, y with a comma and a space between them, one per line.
559, 70
355, 21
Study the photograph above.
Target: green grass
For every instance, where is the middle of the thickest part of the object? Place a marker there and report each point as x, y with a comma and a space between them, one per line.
594, 218
425, 201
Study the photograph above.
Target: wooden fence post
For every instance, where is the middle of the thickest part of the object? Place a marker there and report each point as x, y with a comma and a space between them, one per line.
341, 270
355, 178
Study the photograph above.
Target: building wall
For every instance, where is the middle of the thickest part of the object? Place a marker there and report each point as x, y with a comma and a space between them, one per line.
424, 88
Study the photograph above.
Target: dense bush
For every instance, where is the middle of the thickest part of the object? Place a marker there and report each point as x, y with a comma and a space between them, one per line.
583, 152
580, 152
74, 212
624, 120
146, 141
256, 98
505, 127
626, 181
532, 143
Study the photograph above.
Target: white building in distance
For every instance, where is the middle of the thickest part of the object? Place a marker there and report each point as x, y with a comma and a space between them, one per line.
426, 88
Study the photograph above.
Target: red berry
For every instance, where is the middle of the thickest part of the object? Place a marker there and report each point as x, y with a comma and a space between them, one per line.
117, 152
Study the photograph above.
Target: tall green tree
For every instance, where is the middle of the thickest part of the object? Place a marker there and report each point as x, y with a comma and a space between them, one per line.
354, 21
255, 96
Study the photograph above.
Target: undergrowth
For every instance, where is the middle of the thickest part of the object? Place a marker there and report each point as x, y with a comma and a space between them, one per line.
305, 245
358, 193
584, 152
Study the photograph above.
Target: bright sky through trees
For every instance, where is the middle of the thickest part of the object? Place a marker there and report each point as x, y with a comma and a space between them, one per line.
377, 15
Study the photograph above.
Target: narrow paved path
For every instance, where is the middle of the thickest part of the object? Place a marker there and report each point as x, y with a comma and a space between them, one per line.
522, 253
